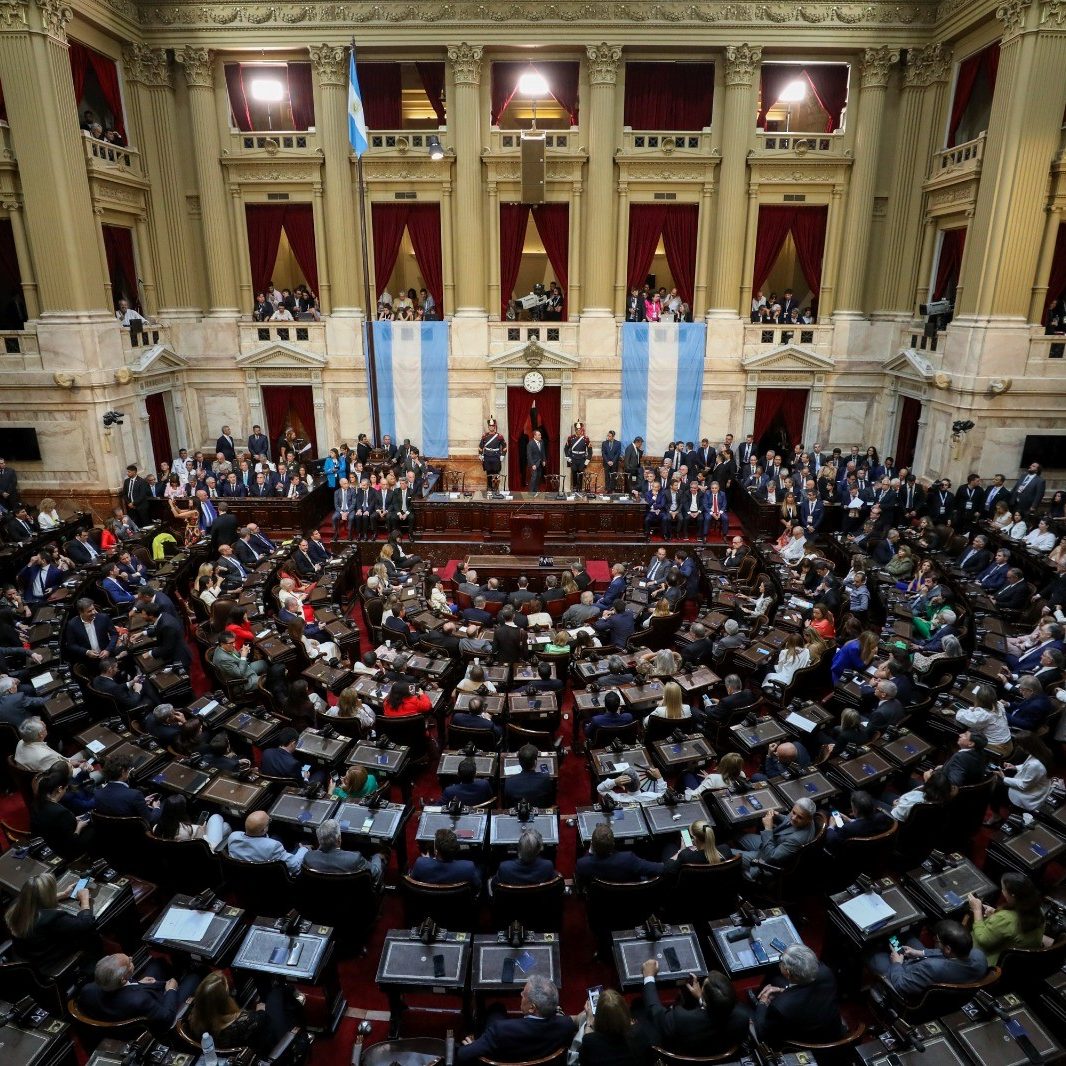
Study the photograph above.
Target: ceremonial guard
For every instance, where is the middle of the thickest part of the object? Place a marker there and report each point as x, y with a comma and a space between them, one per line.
491, 451
577, 451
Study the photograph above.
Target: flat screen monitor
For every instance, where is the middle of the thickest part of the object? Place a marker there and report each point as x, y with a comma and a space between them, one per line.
1047, 449
19, 445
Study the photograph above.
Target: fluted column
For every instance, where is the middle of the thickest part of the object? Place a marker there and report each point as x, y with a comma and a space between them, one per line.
27, 272
148, 72
876, 65
495, 299
738, 115
342, 242
318, 217
599, 237
575, 281
59, 219
834, 242
464, 120
703, 247
1003, 242
207, 150
925, 262
920, 122
1039, 300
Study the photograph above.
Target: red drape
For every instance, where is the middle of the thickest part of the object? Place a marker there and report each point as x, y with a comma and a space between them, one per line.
807, 226
808, 233
679, 239
773, 77
423, 225
389, 222
553, 225
780, 411
774, 225
118, 247
513, 221
668, 96
238, 99
381, 90
432, 75
981, 64
561, 76
158, 428
950, 263
299, 226
526, 412
290, 405
264, 223
275, 409
1056, 285
908, 431
82, 60
10, 275
646, 223
79, 68
301, 96
830, 85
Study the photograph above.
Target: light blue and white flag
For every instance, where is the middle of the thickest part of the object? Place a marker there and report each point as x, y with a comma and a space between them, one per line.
412, 372
662, 382
357, 135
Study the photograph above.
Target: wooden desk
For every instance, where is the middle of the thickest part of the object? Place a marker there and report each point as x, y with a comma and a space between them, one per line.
511, 567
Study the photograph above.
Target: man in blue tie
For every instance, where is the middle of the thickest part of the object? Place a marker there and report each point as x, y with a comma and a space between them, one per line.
994, 576
616, 589
233, 573
343, 507
208, 514
611, 454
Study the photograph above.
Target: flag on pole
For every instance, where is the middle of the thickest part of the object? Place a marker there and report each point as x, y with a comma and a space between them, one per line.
357, 135
662, 381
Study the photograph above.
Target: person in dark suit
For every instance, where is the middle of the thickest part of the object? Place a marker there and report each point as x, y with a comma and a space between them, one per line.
698, 651
615, 626
477, 614
1014, 594
444, 867
535, 460
866, 819
611, 457
249, 554
615, 590
82, 550
281, 761
1029, 489
529, 867
546, 679
223, 528
90, 635
801, 1003
537, 789
258, 443
508, 641
225, 445
330, 857
169, 636
994, 576
117, 798
234, 573
953, 960
605, 861
888, 712
19, 527
540, 1031
115, 996
975, 558
469, 788
136, 496
52, 818
995, 492
707, 1019
127, 695
969, 764
9, 486
1033, 709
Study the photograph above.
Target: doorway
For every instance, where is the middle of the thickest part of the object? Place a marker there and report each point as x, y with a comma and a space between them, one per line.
907, 433
290, 405
779, 418
525, 413
163, 450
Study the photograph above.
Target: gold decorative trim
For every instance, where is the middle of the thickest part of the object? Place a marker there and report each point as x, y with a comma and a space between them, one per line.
741, 63
199, 67
330, 63
466, 63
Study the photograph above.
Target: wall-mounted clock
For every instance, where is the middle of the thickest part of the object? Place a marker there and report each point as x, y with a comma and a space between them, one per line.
533, 381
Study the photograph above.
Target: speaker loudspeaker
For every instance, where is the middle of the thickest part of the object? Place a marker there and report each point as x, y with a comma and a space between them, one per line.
533, 167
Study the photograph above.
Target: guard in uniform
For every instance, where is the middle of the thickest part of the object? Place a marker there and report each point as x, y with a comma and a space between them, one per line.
491, 450
577, 451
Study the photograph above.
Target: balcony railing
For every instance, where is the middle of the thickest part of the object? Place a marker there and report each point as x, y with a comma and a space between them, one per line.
758, 336
921, 339
258, 144
18, 342
403, 141
309, 335
147, 335
666, 142
964, 158
6, 151
1049, 351
105, 157
502, 141
504, 336
818, 145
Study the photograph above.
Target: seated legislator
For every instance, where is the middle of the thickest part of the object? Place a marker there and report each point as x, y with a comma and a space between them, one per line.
537, 789
529, 867
604, 861
254, 844
330, 857
781, 838
115, 995
469, 788
44, 934
215, 1011
706, 1019
444, 867
117, 798
916, 968
801, 1003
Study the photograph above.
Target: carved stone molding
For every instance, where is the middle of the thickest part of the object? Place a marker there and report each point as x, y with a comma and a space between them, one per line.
603, 63
293, 171
147, 65
55, 15
12, 14
876, 66
928, 65
741, 63
1012, 14
466, 63
331, 64
199, 67
1054, 14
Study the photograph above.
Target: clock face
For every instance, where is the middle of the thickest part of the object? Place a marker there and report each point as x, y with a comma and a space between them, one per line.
533, 381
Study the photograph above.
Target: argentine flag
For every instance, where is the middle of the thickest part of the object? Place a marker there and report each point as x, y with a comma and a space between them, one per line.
412, 371
662, 382
356, 115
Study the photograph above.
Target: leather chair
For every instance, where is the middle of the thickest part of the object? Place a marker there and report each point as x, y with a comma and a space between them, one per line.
709, 891
23, 780
536, 906
658, 728
121, 840
855, 855
451, 906
276, 1054
410, 731
19, 978
938, 999
802, 874
483, 739
672, 1058
555, 1058
628, 733
838, 1051
410, 1051
348, 902
620, 905
966, 812
1023, 968
921, 832
91, 1030
517, 736
187, 866
234, 688
261, 887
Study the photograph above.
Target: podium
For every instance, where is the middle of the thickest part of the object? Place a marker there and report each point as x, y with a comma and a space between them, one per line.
527, 534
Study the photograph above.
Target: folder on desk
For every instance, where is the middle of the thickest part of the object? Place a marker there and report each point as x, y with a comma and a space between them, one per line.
867, 911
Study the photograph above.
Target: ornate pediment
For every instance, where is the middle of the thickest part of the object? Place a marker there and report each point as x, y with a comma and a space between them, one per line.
533, 356
911, 364
789, 357
280, 355
159, 359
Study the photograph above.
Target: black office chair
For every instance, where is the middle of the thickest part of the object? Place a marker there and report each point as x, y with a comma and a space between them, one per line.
709, 891
672, 1058
348, 902
835, 1052
620, 905
187, 866
535, 906
451, 906
261, 887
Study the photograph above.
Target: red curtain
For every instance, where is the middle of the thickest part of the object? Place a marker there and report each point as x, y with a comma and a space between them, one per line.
668, 96
380, 86
780, 412
389, 222
513, 221
264, 223
301, 96
290, 405
808, 233
158, 429
299, 226
118, 247
908, 431
773, 77
562, 79
432, 75
423, 225
79, 68
275, 408
679, 238
10, 275
238, 99
646, 223
83, 60
1056, 285
982, 64
526, 412
774, 225
553, 225
950, 263
830, 85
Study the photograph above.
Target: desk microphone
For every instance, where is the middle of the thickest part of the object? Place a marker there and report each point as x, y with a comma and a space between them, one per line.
523, 811
137, 1050
516, 934
428, 931
455, 807
19, 1011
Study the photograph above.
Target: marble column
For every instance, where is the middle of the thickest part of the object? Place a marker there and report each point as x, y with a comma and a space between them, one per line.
600, 236
1039, 300
464, 120
27, 275
214, 215
854, 264
728, 261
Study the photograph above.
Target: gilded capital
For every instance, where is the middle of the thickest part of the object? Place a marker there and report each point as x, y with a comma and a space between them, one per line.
54, 16
330, 62
1054, 14
466, 63
928, 65
12, 14
741, 63
603, 63
147, 65
876, 65
198, 64
1012, 14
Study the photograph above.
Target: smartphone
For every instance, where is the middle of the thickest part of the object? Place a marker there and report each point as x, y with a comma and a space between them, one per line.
83, 883
507, 977
953, 898
756, 805
670, 955
894, 944
778, 945
686, 838
810, 786
594, 996
759, 951
1015, 1028
438, 965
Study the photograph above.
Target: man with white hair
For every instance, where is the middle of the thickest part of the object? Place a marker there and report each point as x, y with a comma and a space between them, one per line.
731, 639
579, 614
800, 1004
781, 839
330, 857
796, 548
16, 706
114, 995
254, 845
36, 756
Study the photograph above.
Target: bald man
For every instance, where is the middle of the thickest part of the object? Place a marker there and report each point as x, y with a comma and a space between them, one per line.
254, 845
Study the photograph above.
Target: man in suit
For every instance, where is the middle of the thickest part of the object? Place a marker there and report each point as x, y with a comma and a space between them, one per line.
508, 640
916, 968
745, 451
1051, 634
699, 650
233, 665
117, 798
522, 594
611, 717
258, 443
444, 867
782, 837
940, 502
364, 503
477, 615
1014, 594
801, 1003
887, 712
537, 789
225, 445
605, 861
469, 789
1033, 707
127, 695
535, 460
582, 613
232, 489
529, 867
969, 502
9, 486
19, 527
812, 512
994, 576
224, 527
866, 819
82, 550
115, 995
234, 572
611, 457
631, 460
540, 1031
115, 587
969, 764
995, 492
331, 858
615, 626
910, 503
690, 573
1029, 490
706, 1019
37, 579
254, 845
16, 706
975, 559
789, 303
944, 626
400, 514
169, 636
90, 635
714, 511
248, 554
136, 496
344, 511
616, 589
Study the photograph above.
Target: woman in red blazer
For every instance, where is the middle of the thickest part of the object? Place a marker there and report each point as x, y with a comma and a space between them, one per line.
400, 703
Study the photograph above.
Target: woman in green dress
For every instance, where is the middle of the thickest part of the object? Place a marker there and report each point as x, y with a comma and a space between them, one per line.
1017, 923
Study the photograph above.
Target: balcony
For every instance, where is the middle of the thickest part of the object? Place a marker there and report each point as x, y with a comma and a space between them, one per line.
963, 159
110, 160
268, 144
19, 349
1047, 355
504, 142
310, 336
506, 336
759, 338
797, 145
136, 341
404, 142
917, 338
642, 143
7, 153
952, 183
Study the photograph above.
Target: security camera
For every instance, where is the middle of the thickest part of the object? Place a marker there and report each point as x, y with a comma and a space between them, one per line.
113, 418
961, 427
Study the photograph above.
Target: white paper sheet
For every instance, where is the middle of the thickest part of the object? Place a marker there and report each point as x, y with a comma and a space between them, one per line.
867, 910
183, 924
